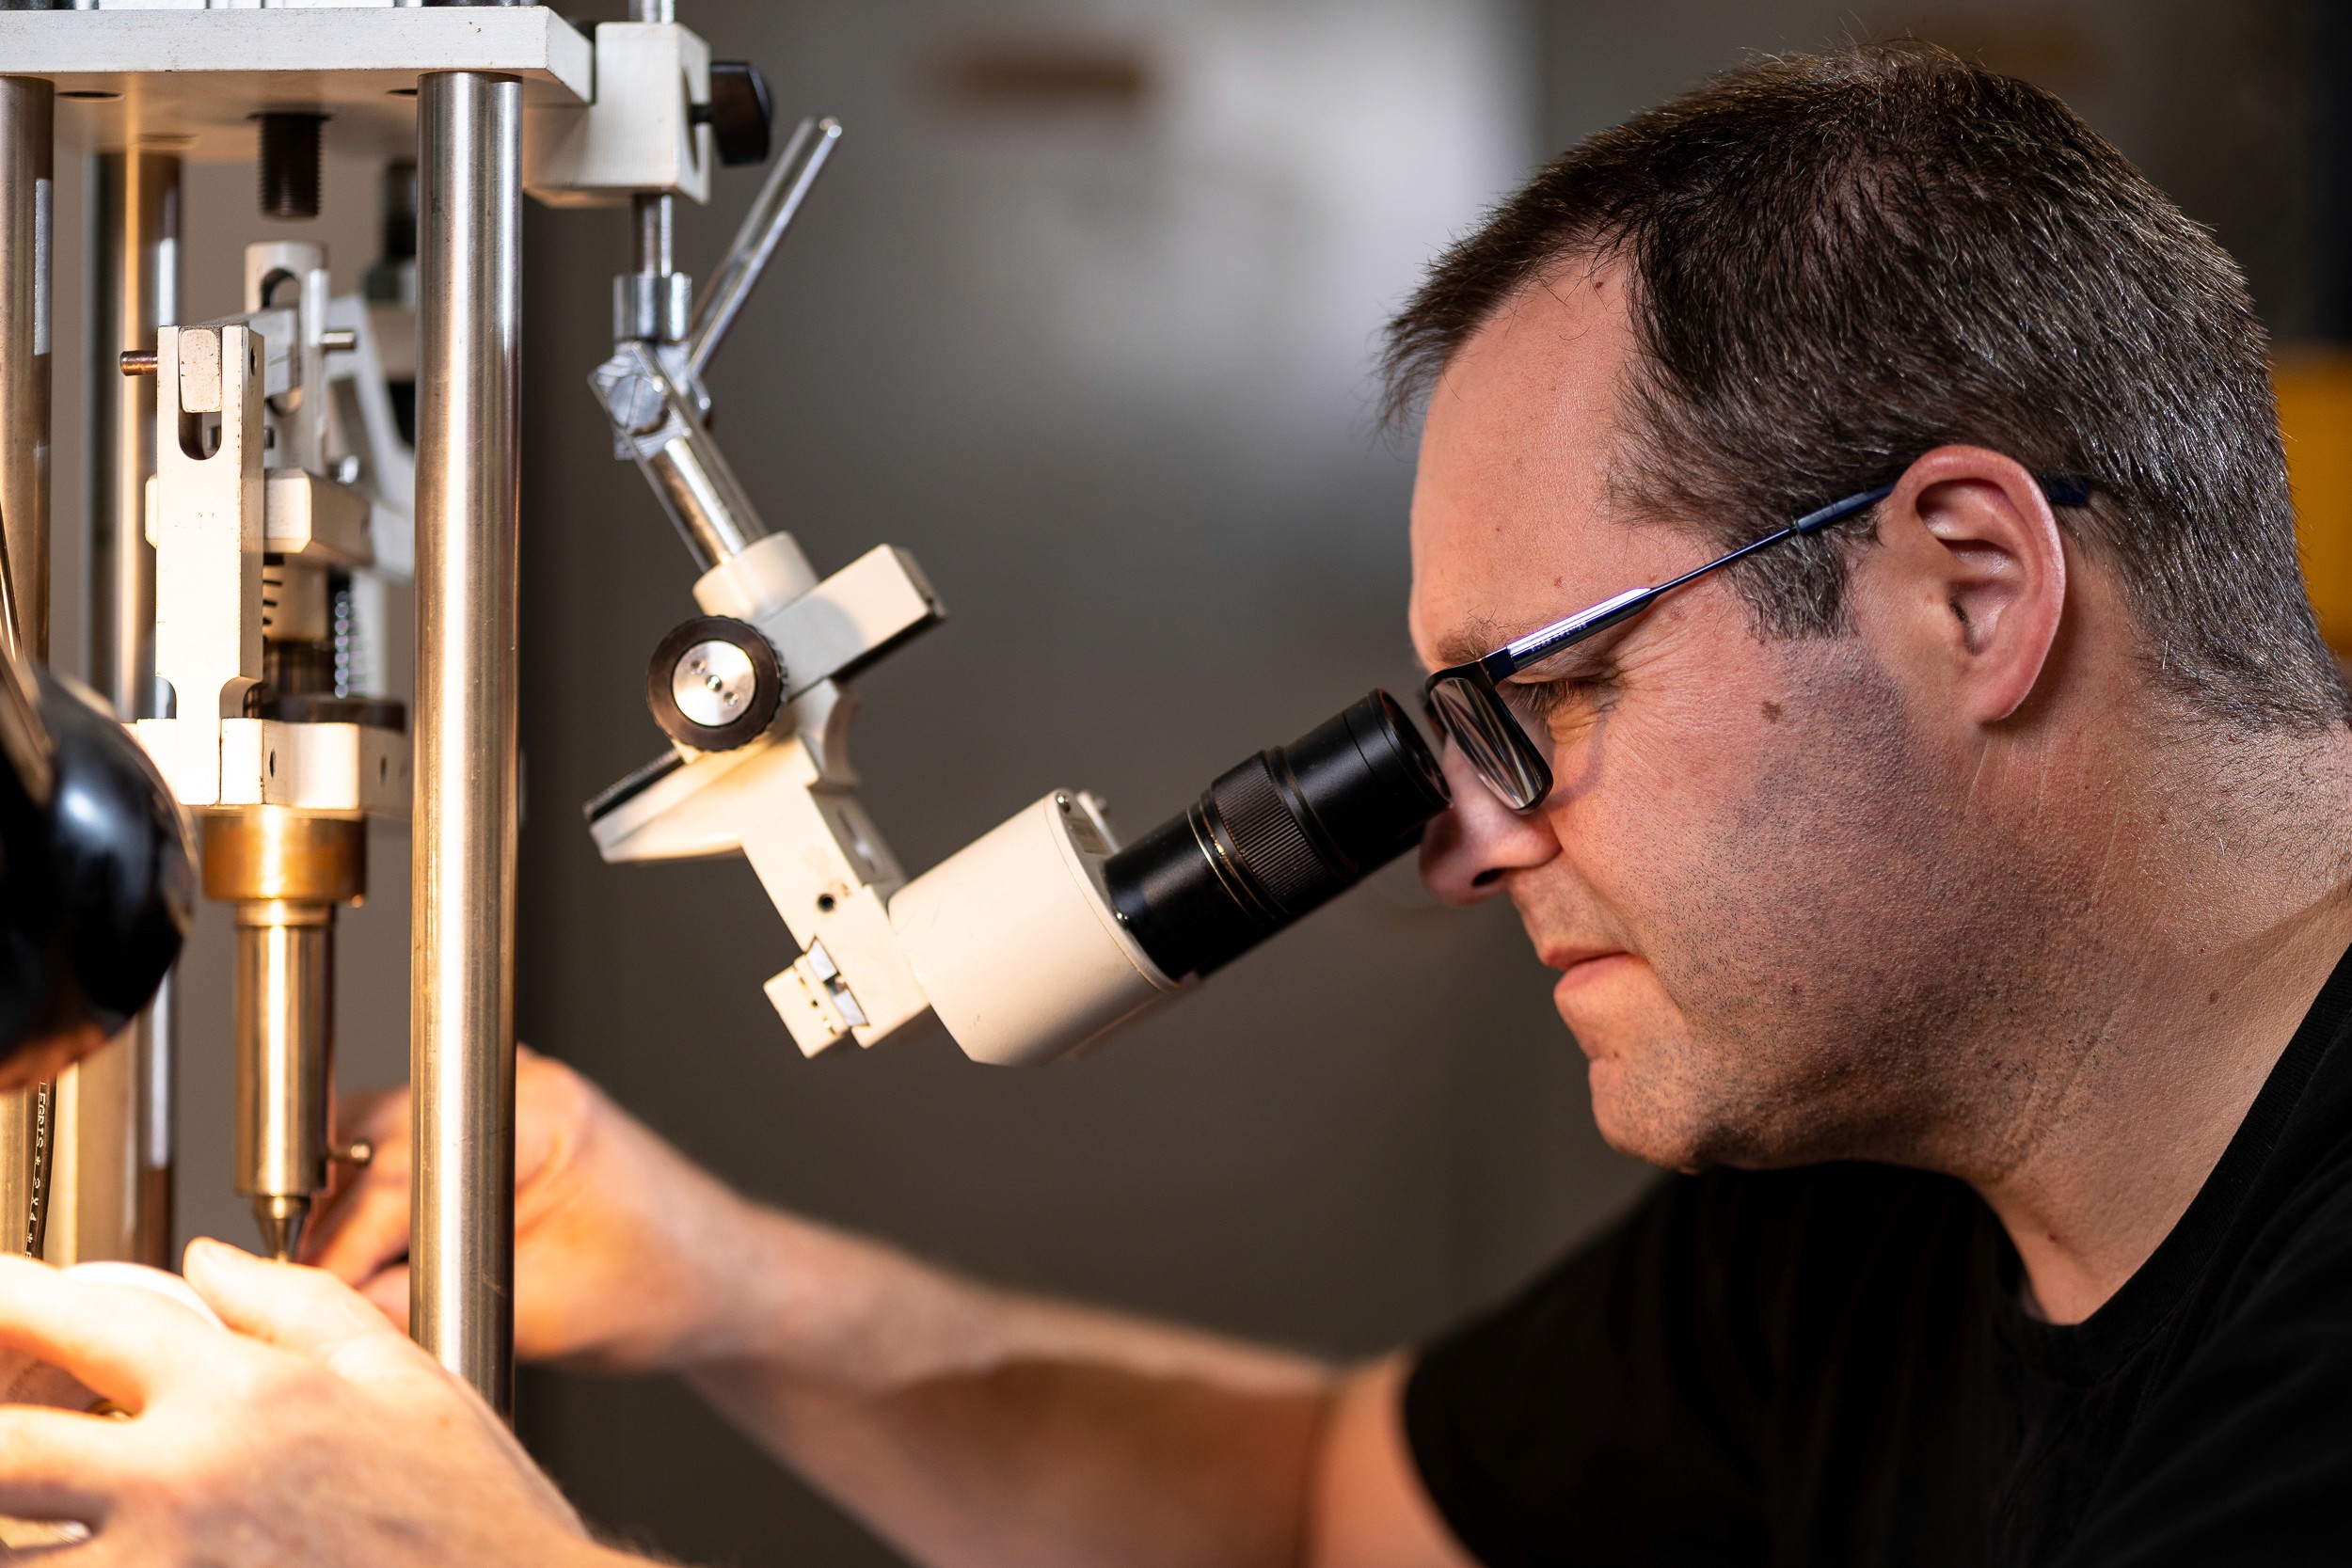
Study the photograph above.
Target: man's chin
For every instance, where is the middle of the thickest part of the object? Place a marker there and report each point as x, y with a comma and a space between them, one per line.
1636, 1124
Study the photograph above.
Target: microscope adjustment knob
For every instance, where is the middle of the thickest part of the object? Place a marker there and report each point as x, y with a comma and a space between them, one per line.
715, 684
739, 113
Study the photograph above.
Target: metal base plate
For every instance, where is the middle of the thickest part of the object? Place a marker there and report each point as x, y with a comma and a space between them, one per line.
188, 81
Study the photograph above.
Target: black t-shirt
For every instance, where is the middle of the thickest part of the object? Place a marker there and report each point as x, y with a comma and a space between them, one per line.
1830, 1365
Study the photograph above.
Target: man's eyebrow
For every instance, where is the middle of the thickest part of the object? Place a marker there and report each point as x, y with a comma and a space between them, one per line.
1479, 637
1474, 639
1578, 660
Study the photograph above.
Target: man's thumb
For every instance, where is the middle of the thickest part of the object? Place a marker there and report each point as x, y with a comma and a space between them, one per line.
280, 1304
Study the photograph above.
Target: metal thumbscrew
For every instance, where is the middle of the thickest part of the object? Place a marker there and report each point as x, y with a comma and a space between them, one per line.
633, 400
359, 1154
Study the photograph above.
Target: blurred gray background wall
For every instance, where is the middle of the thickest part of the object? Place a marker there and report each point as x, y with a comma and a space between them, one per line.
1084, 316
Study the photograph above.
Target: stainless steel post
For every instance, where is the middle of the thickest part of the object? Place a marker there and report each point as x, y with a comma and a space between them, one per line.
28, 107
462, 1048
666, 433
111, 1184
135, 260
654, 219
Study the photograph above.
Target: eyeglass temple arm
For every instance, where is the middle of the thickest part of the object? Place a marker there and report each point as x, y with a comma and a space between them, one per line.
1515, 656
2059, 491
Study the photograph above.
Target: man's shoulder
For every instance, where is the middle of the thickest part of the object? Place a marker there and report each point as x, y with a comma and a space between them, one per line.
1743, 1254
1650, 1383
2239, 1449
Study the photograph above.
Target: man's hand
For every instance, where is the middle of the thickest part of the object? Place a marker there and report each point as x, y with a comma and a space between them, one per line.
314, 1434
623, 1248
971, 1426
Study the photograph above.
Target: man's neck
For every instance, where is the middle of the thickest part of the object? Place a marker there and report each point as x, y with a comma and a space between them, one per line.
2203, 949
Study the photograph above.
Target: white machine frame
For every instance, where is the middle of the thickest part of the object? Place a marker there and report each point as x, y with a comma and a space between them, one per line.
265, 448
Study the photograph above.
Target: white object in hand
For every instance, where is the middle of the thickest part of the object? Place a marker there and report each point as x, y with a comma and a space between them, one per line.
26, 1380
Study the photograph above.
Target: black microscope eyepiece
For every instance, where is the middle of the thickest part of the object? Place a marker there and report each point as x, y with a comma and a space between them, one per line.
1280, 835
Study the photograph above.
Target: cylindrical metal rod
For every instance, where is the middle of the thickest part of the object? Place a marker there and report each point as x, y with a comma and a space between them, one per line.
285, 1062
649, 301
27, 107
285, 871
664, 431
462, 1044
28, 128
113, 1109
764, 225
656, 222
157, 1062
135, 259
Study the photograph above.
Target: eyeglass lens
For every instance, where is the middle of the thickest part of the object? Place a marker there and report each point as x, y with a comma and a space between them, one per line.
1492, 740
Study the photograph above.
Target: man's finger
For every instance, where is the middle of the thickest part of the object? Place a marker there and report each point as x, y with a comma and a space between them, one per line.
366, 1225
123, 1341
56, 1463
282, 1304
360, 1113
388, 1292
379, 1115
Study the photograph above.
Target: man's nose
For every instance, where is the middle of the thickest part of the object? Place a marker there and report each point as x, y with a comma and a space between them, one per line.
1468, 848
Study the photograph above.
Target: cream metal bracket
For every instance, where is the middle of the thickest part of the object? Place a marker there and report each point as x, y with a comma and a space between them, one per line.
1012, 943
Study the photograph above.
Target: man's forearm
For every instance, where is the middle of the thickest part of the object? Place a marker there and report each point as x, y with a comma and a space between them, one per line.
977, 1428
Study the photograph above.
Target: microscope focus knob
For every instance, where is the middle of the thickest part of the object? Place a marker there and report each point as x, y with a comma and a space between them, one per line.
715, 684
739, 113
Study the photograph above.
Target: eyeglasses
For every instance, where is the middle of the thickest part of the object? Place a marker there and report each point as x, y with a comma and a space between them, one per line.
1465, 702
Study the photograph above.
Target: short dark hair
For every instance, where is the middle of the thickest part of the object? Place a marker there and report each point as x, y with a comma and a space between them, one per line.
1839, 261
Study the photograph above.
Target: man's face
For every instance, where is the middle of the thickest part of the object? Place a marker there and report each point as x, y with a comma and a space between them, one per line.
1741, 871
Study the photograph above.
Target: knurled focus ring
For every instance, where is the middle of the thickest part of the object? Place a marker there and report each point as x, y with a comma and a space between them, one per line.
1274, 851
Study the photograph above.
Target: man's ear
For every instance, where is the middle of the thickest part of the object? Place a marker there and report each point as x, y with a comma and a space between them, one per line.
1980, 573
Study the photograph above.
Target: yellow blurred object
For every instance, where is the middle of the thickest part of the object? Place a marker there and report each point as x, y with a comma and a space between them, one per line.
2314, 383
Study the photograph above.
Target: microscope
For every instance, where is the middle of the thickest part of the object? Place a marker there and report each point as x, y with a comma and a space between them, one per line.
1043, 936
262, 476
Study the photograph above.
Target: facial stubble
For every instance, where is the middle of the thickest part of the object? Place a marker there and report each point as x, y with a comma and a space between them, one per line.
1849, 952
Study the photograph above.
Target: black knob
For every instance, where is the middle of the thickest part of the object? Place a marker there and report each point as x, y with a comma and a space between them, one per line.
715, 684
96, 889
739, 113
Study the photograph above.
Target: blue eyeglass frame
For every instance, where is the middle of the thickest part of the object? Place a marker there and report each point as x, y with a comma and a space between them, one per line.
1464, 702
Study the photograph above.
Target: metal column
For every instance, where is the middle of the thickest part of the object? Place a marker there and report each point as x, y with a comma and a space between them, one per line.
462, 1044
26, 121
134, 290
28, 107
111, 1191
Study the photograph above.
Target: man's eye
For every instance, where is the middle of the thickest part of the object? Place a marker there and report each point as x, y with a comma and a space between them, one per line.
1537, 703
